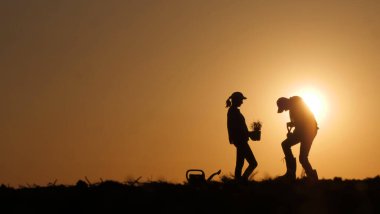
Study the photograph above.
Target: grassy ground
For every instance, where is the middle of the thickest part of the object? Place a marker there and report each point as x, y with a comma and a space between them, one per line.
227, 196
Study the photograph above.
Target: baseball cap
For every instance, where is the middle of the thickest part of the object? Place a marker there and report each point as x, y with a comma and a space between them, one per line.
238, 95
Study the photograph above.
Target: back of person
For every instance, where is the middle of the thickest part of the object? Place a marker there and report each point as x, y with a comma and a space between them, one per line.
300, 114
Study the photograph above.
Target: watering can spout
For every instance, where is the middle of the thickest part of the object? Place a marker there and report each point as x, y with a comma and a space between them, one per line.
211, 176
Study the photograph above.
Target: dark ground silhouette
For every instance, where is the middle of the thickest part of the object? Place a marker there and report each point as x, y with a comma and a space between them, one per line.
269, 196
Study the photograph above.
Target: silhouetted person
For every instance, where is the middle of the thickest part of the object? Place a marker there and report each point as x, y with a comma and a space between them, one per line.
305, 130
238, 135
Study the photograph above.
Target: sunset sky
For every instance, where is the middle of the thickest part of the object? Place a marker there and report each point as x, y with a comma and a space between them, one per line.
123, 89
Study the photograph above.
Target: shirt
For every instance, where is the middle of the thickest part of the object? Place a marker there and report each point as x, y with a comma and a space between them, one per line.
237, 128
300, 115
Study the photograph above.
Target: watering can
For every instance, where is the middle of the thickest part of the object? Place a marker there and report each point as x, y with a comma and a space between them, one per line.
197, 176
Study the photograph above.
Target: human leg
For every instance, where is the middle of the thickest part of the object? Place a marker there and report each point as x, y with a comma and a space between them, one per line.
304, 160
248, 155
239, 161
286, 145
290, 160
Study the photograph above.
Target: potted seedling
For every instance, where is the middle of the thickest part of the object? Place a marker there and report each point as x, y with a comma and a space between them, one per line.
255, 135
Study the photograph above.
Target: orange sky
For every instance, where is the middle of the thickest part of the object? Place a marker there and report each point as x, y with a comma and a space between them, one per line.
122, 89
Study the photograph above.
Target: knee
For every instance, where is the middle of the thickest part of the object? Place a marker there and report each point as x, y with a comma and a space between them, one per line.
255, 164
251, 160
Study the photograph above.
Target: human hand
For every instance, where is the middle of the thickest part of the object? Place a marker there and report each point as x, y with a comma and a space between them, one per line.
289, 126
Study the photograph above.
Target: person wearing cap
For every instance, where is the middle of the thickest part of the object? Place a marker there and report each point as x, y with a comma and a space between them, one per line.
238, 135
305, 130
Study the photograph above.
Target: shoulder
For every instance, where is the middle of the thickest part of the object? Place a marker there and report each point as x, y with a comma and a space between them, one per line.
296, 99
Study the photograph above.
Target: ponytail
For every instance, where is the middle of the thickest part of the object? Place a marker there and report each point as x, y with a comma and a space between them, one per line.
228, 102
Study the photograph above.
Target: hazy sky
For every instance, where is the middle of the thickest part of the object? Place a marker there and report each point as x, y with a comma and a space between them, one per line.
123, 89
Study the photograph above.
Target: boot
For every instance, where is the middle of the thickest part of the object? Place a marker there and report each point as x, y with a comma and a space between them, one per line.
312, 176
291, 167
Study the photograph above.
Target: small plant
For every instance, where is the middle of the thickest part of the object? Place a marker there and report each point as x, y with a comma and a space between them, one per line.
256, 126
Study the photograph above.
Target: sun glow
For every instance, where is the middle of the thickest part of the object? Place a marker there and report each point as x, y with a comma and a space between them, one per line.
316, 103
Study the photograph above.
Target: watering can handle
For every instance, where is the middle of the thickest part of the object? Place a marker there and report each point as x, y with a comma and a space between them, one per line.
193, 170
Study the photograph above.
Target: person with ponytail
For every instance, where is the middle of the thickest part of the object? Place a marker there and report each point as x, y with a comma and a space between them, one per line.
238, 135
